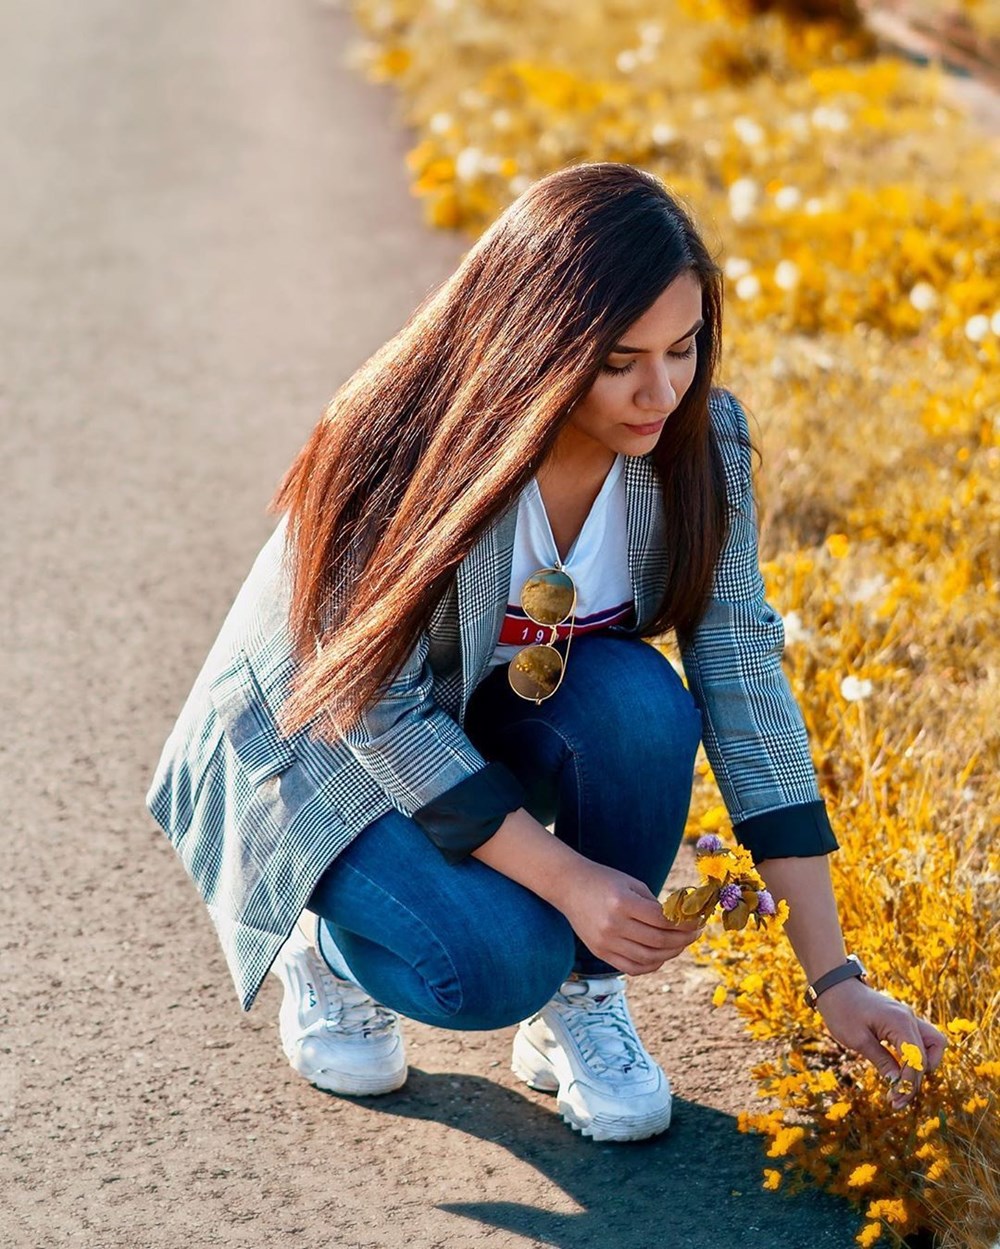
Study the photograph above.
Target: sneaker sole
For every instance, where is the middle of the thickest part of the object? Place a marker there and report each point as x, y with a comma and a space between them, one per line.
350, 1085
534, 1069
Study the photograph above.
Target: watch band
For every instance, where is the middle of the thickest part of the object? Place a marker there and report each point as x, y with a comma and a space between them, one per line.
853, 967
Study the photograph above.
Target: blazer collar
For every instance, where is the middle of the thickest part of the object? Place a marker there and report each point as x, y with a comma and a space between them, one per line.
483, 577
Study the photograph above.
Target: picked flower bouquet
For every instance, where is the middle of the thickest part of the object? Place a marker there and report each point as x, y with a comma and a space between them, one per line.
729, 882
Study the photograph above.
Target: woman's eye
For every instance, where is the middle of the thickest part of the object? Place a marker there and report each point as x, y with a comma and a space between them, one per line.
627, 368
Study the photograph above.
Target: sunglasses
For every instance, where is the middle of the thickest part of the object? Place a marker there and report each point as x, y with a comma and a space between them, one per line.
548, 598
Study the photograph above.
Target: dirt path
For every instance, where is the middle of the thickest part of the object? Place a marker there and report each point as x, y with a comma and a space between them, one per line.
205, 226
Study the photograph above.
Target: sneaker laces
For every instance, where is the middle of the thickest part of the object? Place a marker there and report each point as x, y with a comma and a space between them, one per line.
597, 1019
349, 1009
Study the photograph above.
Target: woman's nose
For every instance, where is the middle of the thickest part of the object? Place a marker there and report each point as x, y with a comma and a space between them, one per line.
657, 395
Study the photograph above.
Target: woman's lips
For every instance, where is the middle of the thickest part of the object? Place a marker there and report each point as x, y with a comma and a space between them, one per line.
647, 429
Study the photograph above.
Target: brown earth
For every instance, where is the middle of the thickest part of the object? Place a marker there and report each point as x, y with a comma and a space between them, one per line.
205, 227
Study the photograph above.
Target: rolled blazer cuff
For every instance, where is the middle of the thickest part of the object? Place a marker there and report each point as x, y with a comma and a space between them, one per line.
469, 813
790, 832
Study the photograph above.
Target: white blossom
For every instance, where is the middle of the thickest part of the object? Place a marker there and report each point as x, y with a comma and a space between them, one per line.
865, 589
826, 118
440, 123
977, 327
468, 163
736, 266
787, 197
743, 197
663, 133
748, 287
502, 119
794, 630
854, 690
749, 131
786, 274
923, 296
626, 61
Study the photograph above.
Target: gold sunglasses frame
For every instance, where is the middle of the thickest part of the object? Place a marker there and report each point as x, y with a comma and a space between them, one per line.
554, 626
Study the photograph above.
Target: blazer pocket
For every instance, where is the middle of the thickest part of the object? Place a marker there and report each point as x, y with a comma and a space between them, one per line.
248, 723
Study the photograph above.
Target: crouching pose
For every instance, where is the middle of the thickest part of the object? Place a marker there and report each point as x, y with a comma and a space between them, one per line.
440, 655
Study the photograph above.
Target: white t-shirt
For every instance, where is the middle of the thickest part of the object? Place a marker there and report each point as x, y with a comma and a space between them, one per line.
597, 562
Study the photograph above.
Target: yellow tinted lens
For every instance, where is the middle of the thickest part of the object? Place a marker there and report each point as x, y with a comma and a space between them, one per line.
535, 671
548, 596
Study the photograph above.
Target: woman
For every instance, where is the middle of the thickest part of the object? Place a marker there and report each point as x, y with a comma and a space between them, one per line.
440, 652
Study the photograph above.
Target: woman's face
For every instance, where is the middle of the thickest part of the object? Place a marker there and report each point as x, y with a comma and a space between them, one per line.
642, 380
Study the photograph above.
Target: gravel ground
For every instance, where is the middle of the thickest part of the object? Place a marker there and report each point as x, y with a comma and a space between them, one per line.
205, 227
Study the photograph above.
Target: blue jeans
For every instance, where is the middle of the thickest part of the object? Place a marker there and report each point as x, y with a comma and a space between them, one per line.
609, 758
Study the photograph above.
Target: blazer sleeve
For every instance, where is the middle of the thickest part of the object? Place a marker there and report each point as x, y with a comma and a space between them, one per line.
427, 765
752, 728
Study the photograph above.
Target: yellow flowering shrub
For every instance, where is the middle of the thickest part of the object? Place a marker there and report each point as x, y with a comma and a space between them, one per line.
854, 210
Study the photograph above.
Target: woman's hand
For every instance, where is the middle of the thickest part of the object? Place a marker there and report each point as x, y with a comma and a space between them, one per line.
619, 920
860, 1017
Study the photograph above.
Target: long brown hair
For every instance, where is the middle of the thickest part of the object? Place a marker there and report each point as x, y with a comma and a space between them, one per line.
432, 437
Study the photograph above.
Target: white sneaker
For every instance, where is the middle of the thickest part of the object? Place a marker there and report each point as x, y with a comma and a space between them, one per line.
332, 1032
582, 1045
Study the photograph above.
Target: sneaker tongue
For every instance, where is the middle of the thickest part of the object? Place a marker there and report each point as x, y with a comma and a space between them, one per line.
607, 1041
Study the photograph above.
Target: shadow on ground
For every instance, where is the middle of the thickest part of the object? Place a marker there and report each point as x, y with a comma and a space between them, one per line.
693, 1177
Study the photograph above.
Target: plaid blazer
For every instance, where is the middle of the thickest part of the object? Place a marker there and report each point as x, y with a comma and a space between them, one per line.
256, 818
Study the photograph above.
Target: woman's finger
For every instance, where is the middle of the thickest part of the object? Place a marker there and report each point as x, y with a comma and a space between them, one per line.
649, 912
640, 959
655, 940
909, 1073
935, 1043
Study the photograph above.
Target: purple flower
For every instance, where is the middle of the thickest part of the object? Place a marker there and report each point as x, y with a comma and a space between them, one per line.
710, 844
765, 903
730, 896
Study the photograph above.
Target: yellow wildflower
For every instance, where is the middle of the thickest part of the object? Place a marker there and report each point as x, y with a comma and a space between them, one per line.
891, 1209
785, 1140
838, 544
838, 1110
987, 1069
938, 1168
751, 983
714, 818
960, 1025
714, 866
869, 1234
912, 1056
928, 1126
720, 995
862, 1175
773, 1179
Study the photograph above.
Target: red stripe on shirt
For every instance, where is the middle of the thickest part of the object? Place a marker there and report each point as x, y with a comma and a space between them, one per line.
518, 630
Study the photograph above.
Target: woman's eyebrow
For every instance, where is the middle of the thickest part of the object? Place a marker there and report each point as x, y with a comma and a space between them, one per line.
621, 349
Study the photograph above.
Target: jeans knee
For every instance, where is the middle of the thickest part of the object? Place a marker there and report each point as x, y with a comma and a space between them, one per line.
632, 705
503, 981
